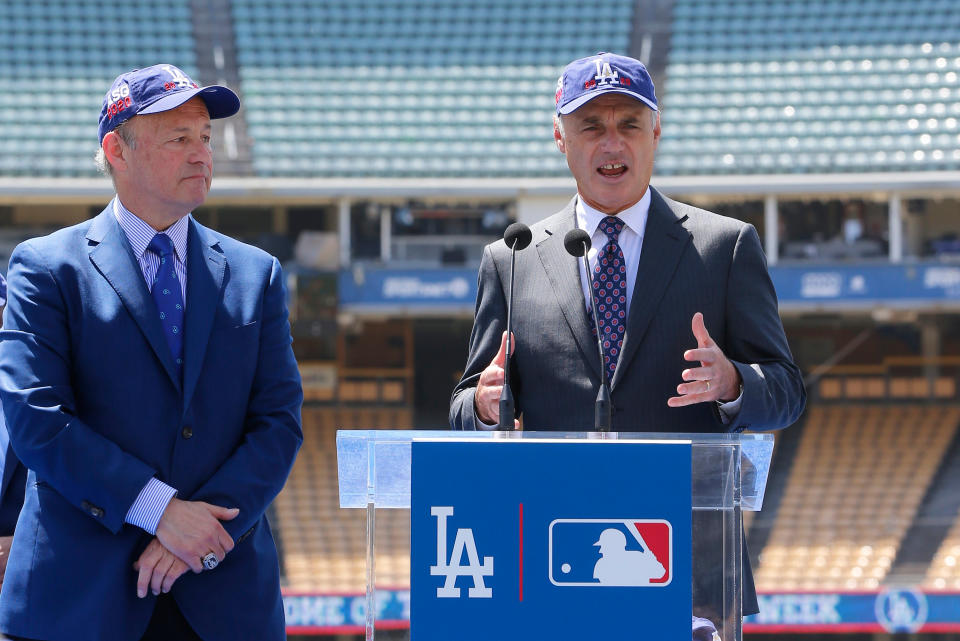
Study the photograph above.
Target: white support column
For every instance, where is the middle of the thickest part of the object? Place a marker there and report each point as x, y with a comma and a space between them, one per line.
771, 227
344, 231
895, 220
386, 237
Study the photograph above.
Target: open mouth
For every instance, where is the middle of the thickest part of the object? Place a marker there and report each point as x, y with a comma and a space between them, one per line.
612, 169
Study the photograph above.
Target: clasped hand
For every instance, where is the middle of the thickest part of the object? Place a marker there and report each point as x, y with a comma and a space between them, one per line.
187, 531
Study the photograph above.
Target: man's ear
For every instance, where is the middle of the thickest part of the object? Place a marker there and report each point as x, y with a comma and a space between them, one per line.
114, 150
558, 135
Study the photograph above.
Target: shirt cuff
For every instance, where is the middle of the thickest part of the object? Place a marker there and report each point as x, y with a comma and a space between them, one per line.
729, 411
146, 511
484, 427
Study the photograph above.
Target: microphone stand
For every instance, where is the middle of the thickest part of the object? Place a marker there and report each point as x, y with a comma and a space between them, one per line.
602, 407
507, 413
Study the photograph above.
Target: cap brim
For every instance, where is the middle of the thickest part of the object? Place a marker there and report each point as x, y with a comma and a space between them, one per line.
221, 101
580, 101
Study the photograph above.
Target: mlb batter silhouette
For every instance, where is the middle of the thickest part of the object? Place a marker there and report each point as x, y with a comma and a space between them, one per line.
618, 566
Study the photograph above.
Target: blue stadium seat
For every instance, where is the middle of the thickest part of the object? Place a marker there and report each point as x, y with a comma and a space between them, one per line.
815, 78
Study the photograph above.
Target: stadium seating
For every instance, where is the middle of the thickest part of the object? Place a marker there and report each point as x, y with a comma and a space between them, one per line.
811, 87
387, 88
856, 483
58, 60
944, 571
324, 546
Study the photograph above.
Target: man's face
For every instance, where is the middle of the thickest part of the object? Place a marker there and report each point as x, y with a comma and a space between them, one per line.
170, 166
609, 143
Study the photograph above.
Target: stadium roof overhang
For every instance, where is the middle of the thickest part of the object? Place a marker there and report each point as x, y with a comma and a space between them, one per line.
278, 190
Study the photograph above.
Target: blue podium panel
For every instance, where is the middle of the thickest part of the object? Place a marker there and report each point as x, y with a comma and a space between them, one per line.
550, 539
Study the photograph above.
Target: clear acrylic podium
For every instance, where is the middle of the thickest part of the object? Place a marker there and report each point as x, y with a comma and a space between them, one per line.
729, 475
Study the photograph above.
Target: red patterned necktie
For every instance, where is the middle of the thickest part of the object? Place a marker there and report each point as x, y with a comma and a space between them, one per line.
610, 288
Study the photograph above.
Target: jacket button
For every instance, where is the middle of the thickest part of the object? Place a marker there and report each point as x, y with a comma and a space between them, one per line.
92, 510
187, 432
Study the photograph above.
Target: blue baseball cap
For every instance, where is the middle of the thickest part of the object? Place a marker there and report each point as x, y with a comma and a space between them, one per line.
584, 79
156, 89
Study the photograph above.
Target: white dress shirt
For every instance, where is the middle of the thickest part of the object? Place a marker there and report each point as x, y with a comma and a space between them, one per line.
630, 240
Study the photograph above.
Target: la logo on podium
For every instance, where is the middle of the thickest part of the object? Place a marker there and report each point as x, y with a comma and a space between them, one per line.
463, 543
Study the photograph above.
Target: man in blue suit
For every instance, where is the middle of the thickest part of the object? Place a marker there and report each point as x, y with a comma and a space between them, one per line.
149, 385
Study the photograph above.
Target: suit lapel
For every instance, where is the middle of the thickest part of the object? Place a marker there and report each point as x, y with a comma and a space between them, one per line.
664, 240
206, 267
564, 274
110, 253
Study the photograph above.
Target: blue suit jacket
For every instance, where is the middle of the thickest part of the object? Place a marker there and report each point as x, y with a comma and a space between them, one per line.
13, 479
94, 409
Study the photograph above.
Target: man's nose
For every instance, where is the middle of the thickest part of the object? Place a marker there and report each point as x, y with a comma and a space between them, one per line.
201, 152
612, 140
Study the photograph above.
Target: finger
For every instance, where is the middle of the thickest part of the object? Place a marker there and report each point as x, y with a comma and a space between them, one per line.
688, 399
143, 580
697, 374
704, 355
147, 562
700, 331
501, 356
226, 541
223, 513
159, 572
492, 376
175, 572
194, 563
217, 549
702, 387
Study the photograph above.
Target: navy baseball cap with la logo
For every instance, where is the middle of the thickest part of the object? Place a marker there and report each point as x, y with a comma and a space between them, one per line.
159, 88
584, 79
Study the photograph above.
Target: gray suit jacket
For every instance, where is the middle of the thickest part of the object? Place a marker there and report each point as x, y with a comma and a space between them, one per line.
691, 260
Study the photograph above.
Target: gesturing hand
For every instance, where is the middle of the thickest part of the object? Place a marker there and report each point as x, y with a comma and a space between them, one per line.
486, 399
191, 529
158, 568
715, 379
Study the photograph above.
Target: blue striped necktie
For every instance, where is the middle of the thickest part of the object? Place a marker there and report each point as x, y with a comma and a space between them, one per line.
167, 295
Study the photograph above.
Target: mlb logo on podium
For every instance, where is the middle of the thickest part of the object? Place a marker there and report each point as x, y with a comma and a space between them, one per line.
611, 552
548, 551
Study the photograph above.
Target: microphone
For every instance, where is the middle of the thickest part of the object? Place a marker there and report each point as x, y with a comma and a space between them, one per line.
577, 243
517, 237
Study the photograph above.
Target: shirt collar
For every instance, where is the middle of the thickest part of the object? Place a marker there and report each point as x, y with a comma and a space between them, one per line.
634, 217
139, 233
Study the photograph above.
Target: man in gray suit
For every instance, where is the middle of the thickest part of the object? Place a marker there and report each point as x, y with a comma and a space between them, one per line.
692, 338
696, 344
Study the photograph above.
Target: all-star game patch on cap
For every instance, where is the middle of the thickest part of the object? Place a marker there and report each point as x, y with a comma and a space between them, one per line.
584, 79
159, 88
